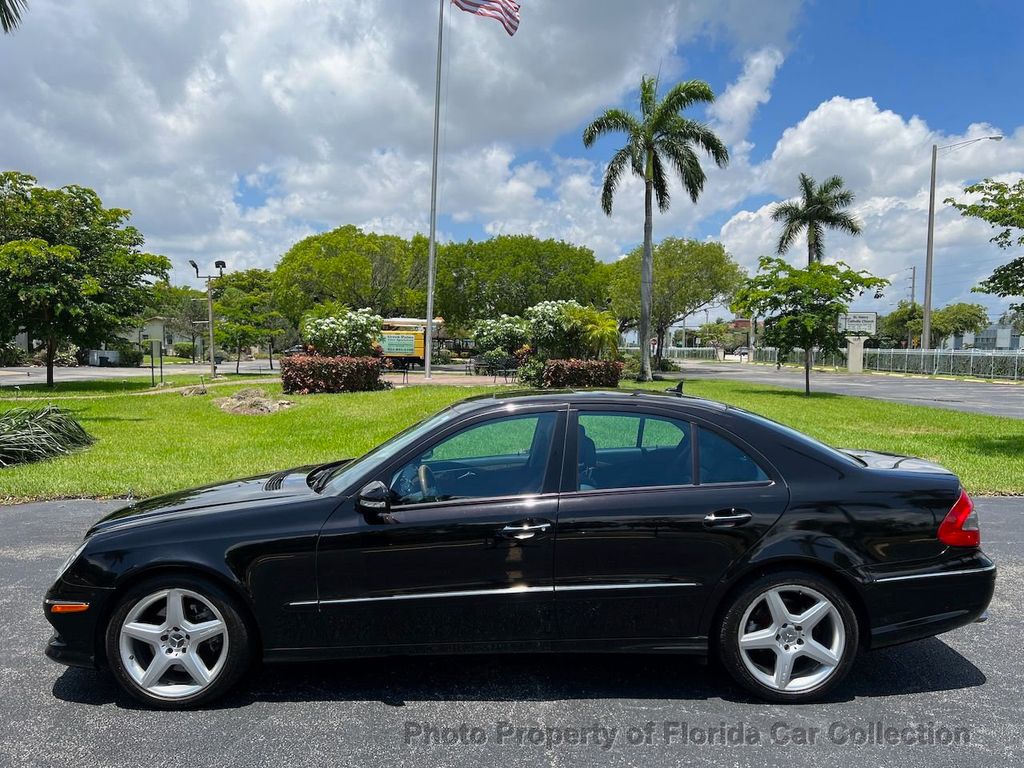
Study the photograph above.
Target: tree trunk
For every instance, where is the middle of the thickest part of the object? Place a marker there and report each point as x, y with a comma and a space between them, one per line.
238, 360
807, 371
646, 284
270, 354
51, 352
810, 250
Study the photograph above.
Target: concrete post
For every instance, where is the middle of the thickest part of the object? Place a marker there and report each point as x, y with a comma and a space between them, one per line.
855, 354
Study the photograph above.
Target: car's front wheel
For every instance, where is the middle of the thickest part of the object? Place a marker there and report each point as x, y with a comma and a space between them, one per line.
176, 642
788, 637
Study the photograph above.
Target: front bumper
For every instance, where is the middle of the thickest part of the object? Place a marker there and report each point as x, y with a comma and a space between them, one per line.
911, 606
78, 637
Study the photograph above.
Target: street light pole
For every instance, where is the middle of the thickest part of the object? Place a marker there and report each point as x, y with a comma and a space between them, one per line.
926, 320
220, 266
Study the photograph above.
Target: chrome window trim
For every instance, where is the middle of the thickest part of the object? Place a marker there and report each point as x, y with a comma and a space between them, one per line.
496, 591
983, 569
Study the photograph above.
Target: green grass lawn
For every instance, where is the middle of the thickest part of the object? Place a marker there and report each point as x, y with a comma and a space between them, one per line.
155, 443
62, 389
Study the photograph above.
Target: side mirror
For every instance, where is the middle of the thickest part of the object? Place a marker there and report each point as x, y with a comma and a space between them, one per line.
374, 498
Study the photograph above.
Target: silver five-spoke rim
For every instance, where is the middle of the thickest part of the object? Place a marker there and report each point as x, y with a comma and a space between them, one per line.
791, 638
173, 643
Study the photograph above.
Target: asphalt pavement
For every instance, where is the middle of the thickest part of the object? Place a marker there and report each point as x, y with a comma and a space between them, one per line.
997, 398
620, 710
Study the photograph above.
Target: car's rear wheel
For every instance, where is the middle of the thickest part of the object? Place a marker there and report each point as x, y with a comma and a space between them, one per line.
177, 641
789, 637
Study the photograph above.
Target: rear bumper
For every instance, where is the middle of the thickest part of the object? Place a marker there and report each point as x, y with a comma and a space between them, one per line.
911, 606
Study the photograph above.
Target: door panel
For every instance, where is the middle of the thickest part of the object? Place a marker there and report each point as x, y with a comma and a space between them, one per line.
640, 561
465, 552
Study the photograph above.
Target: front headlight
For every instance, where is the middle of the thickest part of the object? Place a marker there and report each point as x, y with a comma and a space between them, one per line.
70, 560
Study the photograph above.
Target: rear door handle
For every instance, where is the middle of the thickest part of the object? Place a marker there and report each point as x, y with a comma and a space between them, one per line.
525, 529
727, 518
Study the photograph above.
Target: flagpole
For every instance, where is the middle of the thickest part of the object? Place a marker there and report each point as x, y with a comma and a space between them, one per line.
432, 247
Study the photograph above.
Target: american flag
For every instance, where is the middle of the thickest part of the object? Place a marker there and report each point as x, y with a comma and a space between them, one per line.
505, 11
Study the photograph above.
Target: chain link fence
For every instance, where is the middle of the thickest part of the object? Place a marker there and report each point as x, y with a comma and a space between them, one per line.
1008, 364
679, 353
771, 356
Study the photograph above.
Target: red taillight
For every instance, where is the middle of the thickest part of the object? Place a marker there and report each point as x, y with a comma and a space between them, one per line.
960, 526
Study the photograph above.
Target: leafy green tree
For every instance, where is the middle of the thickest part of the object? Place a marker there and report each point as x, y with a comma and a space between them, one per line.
71, 271
1002, 206
801, 307
507, 274
247, 315
10, 14
903, 324
689, 276
183, 309
715, 334
660, 143
953, 319
820, 206
354, 268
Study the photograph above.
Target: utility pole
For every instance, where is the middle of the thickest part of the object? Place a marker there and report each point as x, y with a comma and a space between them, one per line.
219, 266
913, 299
428, 342
926, 317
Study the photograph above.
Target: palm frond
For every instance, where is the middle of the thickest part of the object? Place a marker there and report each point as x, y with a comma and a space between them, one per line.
685, 161
648, 96
790, 232
681, 96
612, 175
806, 187
34, 434
787, 211
659, 180
612, 121
10, 14
843, 221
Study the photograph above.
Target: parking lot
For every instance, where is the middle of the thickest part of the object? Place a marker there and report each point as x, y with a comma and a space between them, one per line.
962, 687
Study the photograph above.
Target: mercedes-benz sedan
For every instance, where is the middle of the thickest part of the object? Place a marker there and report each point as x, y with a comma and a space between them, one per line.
558, 521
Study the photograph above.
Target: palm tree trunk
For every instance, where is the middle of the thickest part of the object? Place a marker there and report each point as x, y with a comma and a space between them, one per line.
646, 284
810, 249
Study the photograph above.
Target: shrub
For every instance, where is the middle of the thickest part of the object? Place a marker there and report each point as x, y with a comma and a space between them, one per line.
352, 334
33, 434
184, 349
582, 373
12, 354
531, 373
631, 364
507, 334
443, 356
665, 365
66, 357
308, 374
552, 327
130, 357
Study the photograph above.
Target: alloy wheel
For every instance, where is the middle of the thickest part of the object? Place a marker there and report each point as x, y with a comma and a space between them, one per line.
791, 638
173, 643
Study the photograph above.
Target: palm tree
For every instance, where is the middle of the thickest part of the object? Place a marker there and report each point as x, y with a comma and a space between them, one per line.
820, 206
10, 13
659, 142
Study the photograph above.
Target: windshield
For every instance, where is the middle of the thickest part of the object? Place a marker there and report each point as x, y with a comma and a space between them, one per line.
342, 477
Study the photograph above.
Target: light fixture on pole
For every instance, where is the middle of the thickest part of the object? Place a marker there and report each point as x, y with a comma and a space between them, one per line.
926, 321
220, 266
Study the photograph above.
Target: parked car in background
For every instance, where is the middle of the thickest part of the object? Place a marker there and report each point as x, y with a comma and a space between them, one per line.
561, 521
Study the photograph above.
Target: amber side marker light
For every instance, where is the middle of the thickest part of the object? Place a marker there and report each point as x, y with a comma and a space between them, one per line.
69, 607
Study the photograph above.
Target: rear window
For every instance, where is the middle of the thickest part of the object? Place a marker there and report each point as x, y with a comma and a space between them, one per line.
800, 437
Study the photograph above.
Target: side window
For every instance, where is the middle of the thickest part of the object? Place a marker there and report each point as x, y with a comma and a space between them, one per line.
501, 457
617, 450
722, 461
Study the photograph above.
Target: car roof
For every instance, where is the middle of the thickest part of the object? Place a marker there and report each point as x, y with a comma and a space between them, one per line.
625, 397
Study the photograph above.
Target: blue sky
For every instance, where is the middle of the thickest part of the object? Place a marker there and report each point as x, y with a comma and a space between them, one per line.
234, 128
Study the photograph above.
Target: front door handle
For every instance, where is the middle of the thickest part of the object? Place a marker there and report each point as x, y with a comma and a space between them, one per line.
524, 530
727, 518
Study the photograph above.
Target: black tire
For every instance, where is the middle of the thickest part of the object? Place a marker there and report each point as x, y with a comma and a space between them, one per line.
750, 593
238, 655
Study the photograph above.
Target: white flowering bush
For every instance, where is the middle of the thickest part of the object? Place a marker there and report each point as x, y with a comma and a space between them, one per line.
553, 328
351, 334
505, 334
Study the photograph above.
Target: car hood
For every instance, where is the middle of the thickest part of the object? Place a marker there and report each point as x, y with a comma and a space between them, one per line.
290, 483
877, 460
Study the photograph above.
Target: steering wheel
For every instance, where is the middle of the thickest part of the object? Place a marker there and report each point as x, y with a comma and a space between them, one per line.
428, 486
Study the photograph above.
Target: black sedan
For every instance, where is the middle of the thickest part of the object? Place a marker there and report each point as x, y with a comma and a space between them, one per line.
565, 521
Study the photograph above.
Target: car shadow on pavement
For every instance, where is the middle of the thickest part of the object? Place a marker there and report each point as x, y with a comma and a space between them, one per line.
926, 666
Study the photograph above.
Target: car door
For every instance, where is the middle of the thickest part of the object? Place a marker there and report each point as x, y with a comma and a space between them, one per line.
464, 552
655, 508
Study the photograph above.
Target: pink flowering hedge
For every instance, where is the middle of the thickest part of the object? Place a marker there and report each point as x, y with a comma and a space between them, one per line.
560, 374
310, 374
